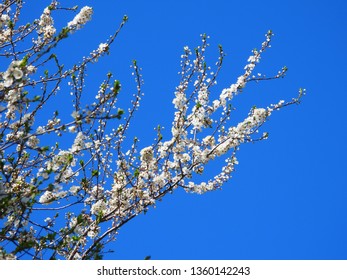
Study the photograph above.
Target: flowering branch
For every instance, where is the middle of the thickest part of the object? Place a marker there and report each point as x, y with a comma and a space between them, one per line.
74, 166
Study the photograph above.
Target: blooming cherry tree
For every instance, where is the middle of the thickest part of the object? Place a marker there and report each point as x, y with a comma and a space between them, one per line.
67, 184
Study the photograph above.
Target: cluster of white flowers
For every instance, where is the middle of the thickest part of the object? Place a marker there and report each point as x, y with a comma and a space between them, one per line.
80, 143
74, 190
55, 193
103, 47
12, 74
82, 226
121, 196
61, 164
5, 256
97, 193
228, 93
33, 141
4, 19
49, 196
5, 31
46, 27
146, 154
98, 207
81, 18
127, 200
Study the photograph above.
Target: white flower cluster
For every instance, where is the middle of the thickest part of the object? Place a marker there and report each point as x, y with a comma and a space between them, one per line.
5, 31
103, 47
13, 73
99, 207
5, 256
80, 143
46, 27
4, 19
33, 141
127, 200
49, 196
60, 164
81, 18
146, 155
83, 225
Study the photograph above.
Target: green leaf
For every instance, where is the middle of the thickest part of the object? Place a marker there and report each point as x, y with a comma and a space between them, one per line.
120, 113
24, 61
79, 218
75, 238
69, 158
51, 236
116, 86
10, 24
63, 34
99, 217
44, 149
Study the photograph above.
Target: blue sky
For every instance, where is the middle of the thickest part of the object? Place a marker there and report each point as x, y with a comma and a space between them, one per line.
287, 198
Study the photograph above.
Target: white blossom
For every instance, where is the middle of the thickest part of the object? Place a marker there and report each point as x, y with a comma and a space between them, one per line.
146, 154
46, 27
74, 189
99, 207
47, 197
103, 47
81, 18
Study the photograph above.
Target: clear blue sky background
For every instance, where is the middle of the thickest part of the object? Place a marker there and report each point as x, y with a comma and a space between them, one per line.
287, 198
